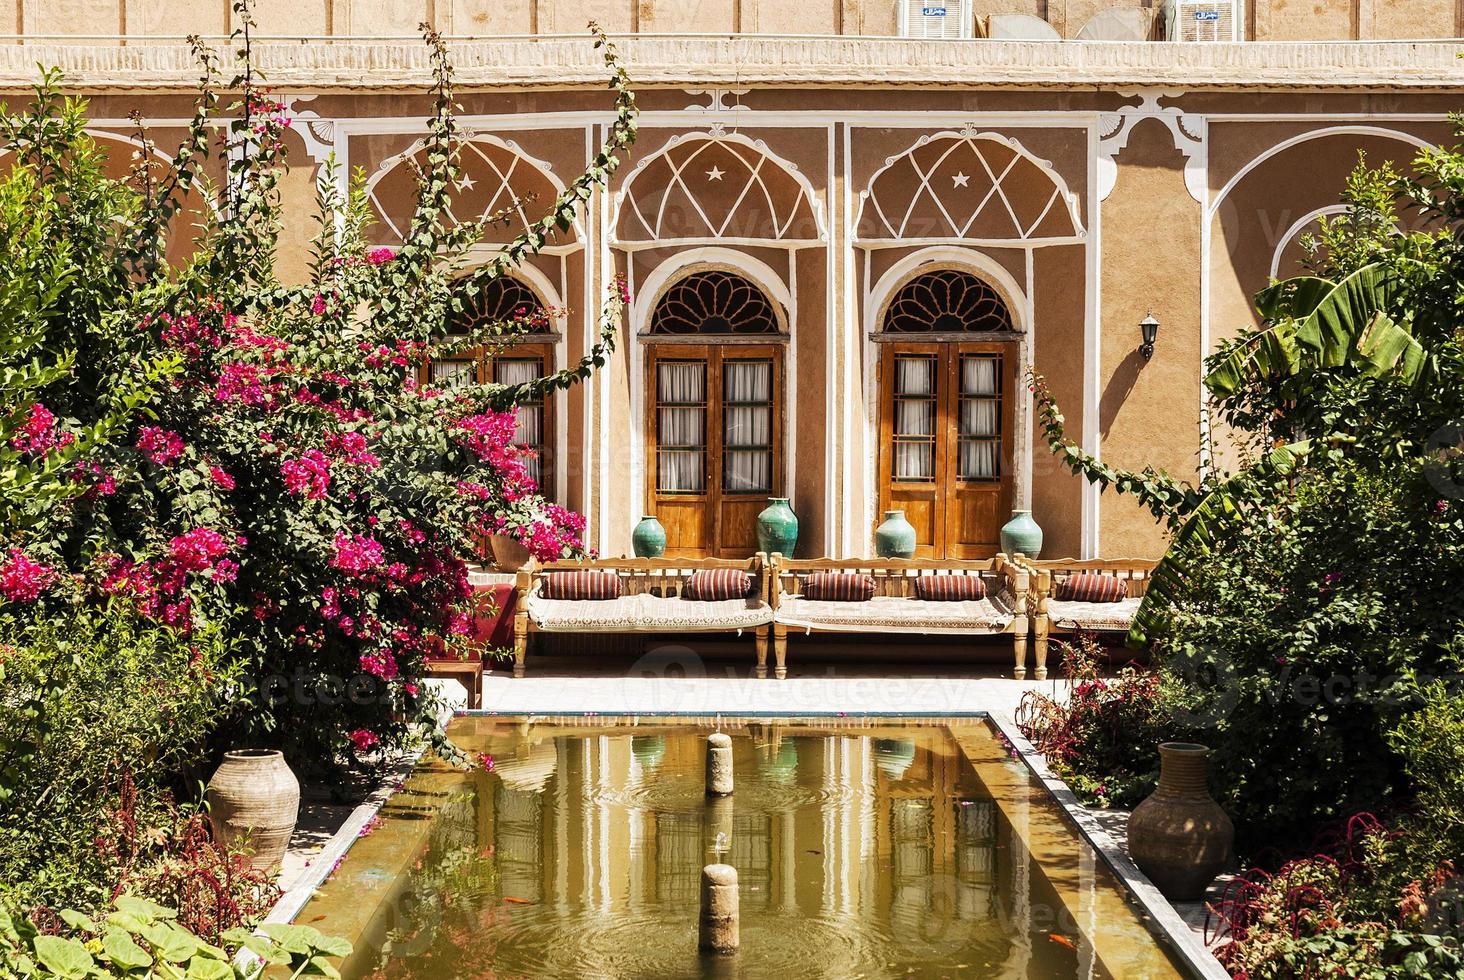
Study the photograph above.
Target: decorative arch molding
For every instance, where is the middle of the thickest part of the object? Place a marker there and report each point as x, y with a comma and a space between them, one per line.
1297, 228
683, 264
938, 257
643, 304
1308, 136
497, 176
107, 135
1010, 195
1019, 305
1188, 130
716, 187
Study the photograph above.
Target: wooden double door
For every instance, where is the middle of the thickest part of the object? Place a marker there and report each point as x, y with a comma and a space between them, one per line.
945, 455
714, 437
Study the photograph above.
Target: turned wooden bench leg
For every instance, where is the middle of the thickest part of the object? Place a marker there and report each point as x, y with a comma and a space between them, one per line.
762, 652
780, 652
1040, 651
520, 642
1019, 647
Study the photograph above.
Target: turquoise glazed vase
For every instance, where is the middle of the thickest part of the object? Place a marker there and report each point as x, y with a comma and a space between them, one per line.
895, 538
777, 528
648, 540
1021, 535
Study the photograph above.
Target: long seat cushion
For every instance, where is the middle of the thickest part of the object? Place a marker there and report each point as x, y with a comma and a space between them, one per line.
645, 614
884, 614
1093, 615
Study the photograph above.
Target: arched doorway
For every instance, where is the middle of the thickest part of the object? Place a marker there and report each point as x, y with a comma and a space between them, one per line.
948, 359
529, 356
714, 426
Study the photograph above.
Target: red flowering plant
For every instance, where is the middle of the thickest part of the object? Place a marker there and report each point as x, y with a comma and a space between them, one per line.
294, 477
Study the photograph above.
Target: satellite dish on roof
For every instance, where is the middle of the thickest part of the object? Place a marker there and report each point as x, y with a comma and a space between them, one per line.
1117, 24
1020, 27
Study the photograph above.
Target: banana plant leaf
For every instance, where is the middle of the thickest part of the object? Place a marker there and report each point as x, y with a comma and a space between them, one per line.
1196, 536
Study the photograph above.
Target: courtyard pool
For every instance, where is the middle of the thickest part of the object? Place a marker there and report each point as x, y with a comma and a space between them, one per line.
865, 847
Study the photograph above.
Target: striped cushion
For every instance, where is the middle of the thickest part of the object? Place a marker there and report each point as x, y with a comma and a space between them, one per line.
839, 587
1090, 587
718, 584
950, 588
581, 585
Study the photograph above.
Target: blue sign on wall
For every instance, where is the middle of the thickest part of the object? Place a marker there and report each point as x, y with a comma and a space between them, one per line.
1207, 15
933, 11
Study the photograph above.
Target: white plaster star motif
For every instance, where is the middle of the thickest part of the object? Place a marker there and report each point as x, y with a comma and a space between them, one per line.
715, 173
960, 180
465, 183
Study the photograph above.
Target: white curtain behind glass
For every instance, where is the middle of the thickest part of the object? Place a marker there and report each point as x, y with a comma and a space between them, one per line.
914, 422
446, 374
530, 431
681, 417
747, 435
980, 428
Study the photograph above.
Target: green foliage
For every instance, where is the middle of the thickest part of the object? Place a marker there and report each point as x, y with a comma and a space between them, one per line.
92, 697
1101, 738
1307, 601
142, 940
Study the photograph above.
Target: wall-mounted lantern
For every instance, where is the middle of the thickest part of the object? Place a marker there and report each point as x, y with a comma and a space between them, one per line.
1148, 332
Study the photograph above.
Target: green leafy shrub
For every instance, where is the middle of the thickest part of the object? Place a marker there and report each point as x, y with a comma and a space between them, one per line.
1101, 738
102, 714
142, 940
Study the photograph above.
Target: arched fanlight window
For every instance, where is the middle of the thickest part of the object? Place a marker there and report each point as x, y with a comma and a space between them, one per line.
947, 301
711, 303
501, 299
525, 359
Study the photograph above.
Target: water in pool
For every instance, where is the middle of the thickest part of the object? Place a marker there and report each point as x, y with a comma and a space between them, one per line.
864, 848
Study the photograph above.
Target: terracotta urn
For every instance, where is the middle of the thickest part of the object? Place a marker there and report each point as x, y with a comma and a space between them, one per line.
1179, 836
508, 554
254, 795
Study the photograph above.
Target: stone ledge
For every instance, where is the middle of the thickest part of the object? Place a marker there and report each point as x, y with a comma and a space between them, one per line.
385, 65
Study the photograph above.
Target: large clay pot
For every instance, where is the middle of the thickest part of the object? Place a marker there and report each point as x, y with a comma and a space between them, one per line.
648, 540
777, 528
508, 554
1021, 535
895, 538
1179, 836
253, 794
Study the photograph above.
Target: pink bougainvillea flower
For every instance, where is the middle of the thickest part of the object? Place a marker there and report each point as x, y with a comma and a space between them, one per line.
363, 739
357, 554
379, 255
308, 475
221, 477
22, 579
160, 445
38, 434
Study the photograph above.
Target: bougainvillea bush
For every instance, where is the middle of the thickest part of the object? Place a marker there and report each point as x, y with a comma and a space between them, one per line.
289, 477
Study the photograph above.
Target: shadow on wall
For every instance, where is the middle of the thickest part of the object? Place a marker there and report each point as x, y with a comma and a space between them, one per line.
1120, 386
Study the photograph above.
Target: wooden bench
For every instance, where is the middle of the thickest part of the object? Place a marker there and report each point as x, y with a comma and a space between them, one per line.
653, 600
895, 608
1051, 616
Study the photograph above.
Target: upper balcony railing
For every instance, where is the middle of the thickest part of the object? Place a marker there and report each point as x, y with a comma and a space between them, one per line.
400, 62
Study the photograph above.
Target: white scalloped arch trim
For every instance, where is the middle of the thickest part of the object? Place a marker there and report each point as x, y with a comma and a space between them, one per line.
868, 197
625, 197
541, 167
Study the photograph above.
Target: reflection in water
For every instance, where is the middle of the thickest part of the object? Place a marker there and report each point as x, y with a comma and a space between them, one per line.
857, 856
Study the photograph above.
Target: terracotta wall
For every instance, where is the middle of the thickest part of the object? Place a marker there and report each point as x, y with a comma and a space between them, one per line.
1272, 20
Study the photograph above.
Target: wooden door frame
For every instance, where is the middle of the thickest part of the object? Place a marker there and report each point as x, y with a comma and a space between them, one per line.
713, 354
948, 353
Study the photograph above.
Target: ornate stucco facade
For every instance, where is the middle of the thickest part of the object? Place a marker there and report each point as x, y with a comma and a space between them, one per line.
1074, 187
